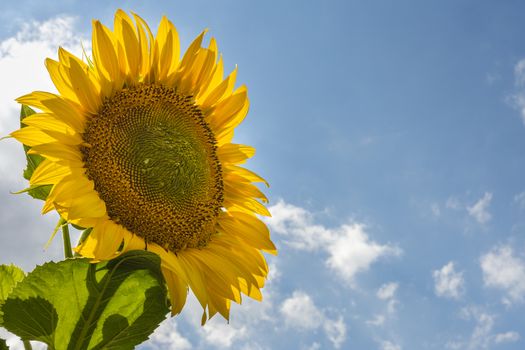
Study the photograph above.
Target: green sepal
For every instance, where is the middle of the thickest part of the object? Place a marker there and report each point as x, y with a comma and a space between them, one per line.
80, 228
10, 275
85, 234
74, 304
33, 160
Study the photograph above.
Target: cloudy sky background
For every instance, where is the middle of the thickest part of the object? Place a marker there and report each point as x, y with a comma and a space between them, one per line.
393, 136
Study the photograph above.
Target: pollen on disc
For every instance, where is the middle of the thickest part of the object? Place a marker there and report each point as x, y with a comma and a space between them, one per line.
153, 160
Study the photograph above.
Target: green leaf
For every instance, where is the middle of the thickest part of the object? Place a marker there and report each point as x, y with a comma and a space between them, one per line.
10, 275
3, 345
38, 192
76, 305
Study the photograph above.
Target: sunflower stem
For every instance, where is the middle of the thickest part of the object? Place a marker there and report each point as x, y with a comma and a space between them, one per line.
68, 253
27, 345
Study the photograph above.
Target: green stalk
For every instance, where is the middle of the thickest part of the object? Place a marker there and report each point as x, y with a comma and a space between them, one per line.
27, 345
68, 253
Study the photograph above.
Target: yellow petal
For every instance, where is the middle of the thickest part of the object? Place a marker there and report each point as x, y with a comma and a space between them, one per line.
48, 173
234, 153
166, 50
127, 37
222, 90
195, 280
133, 242
214, 81
61, 108
103, 242
74, 197
32, 136
231, 111
104, 53
86, 91
191, 52
247, 205
55, 128
177, 289
61, 79
250, 229
238, 185
145, 40
57, 152
245, 173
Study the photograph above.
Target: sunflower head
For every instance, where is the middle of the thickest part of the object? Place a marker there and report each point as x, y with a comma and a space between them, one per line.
138, 147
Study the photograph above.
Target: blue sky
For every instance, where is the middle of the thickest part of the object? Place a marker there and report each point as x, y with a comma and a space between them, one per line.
393, 136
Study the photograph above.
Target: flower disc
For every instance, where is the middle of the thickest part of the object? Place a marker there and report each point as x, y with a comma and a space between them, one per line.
153, 161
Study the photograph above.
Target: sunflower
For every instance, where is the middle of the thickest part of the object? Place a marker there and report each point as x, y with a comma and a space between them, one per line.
137, 146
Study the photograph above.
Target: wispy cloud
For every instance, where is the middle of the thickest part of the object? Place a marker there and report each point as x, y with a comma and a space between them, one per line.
387, 293
507, 337
388, 345
167, 337
520, 199
448, 283
483, 335
377, 320
479, 210
387, 290
517, 99
349, 247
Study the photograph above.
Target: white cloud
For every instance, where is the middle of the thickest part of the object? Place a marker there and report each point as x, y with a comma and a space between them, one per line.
222, 334
479, 210
507, 337
167, 336
453, 203
503, 270
14, 343
378, 320
22, 62
387, 291
448, 283
351, 251
335, 331
314, 346
300, 312
436, 211
492, 78
520, 199
517, 99
519, 73
297, 226
388, 345
482, 336
349, 248
22, 70
454, 345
